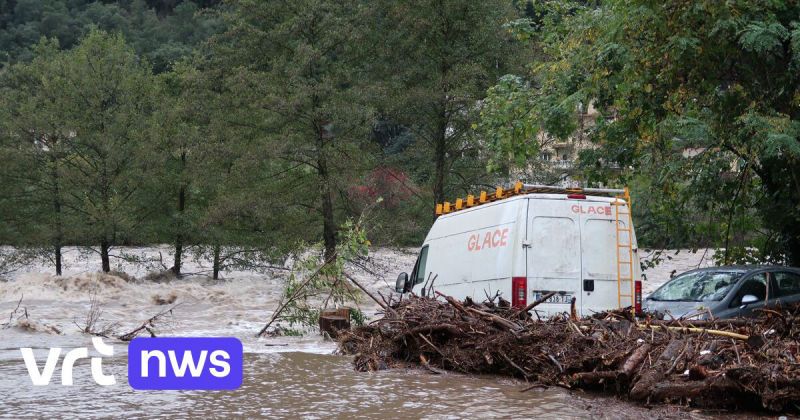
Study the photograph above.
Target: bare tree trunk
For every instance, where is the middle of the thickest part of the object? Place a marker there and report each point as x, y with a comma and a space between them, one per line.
326, 196
328, 222
104, 248
440, 159
216, 262
58, 238
57, 250
106, 197
176, 267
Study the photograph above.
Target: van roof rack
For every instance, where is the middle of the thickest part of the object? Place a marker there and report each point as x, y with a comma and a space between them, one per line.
519, 188
536, 188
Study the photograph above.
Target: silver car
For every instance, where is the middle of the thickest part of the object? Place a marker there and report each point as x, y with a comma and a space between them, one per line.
725, 292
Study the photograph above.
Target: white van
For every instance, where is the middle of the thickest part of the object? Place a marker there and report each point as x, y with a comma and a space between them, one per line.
526, 241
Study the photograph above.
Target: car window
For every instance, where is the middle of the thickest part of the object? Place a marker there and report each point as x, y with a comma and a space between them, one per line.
697, 286
755, 285
788, 283
418, 275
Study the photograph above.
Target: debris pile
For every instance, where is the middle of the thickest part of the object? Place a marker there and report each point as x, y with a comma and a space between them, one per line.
710, 363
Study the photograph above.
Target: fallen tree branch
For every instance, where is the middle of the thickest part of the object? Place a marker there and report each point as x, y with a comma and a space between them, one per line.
364, 289
147, 325
698, 330
538, 302
14, 312
494, 318
294, 296
635, 359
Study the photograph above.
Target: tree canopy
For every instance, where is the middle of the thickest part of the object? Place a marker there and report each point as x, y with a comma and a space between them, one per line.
162, 31
245, 129
698, 108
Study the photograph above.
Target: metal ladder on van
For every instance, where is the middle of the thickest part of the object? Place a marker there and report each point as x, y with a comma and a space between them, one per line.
624, 225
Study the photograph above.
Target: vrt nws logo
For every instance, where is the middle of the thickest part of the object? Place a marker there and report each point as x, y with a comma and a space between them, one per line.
42, 378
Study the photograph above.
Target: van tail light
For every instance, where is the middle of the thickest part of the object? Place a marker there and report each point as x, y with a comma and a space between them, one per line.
519, 292
576, 196
637, 297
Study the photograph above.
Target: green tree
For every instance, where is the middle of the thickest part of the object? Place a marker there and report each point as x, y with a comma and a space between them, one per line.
33, 140
163, 32
76, 124
183, 146
507, 124
106, 101
698, 101
297, 76
441, 57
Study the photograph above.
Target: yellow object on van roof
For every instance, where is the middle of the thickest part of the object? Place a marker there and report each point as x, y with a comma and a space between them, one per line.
518, 188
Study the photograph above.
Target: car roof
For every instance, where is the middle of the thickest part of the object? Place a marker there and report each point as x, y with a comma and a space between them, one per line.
742, 268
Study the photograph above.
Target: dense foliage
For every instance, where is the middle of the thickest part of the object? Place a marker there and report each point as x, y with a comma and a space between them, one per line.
244, 129
698, 111
163, 31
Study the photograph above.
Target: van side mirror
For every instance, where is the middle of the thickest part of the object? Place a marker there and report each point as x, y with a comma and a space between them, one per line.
402, 282
748, 299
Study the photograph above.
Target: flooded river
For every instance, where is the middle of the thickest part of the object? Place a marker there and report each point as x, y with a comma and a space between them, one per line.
283, 376
283, 385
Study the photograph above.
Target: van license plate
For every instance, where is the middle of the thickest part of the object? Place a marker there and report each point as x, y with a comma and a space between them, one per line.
557, 298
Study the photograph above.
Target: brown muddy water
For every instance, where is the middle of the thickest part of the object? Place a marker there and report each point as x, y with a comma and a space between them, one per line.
284, 377
289, 384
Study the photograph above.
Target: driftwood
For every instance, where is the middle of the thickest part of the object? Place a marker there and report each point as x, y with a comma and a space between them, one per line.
733, 364
635, 359
149, 325
650, 378
699, 330
501, 322
538, 302
367, 292
720, 388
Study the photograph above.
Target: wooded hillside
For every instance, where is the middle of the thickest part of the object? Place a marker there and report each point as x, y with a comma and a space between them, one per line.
245, 129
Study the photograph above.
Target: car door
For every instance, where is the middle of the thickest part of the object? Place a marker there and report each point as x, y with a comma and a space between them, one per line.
787, 286
758, 284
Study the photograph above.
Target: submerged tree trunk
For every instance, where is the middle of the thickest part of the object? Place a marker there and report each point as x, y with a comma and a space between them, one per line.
58, 236
176, 267
217, 262
104, 248
57, 251
105, 192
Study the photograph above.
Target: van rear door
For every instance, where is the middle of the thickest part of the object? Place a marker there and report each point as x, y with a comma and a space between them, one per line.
599, 256
553, 254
